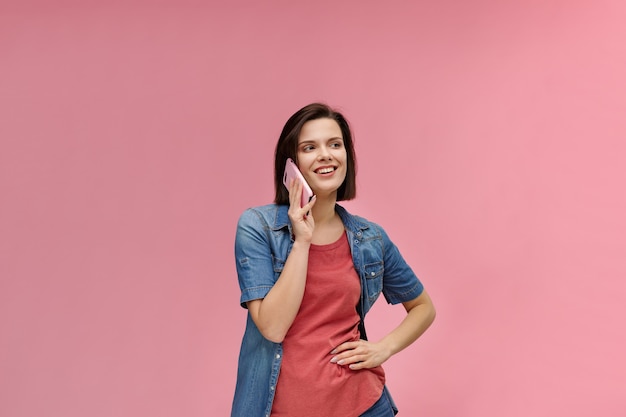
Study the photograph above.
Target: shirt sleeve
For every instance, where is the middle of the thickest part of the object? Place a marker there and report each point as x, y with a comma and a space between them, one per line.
255, 270
400, 284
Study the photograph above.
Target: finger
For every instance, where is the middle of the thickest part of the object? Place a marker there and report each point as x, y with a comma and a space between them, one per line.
310, 205
295, 193
345, 346
348, 356
298, 194
358, 366
352, 359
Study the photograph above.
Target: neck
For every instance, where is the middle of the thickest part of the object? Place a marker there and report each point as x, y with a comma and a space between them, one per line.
324, 210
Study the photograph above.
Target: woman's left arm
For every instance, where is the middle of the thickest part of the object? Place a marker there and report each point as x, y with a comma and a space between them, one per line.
364, 354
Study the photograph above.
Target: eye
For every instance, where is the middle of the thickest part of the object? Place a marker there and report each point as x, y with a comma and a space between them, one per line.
336, 145
307, 148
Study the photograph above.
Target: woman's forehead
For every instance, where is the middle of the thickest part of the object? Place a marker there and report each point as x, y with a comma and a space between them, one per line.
320, 130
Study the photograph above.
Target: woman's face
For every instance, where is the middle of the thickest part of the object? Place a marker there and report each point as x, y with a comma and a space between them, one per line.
322, 156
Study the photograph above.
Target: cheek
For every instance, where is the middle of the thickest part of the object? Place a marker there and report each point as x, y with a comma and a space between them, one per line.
304, 161
345, 175
344, 160
306, 176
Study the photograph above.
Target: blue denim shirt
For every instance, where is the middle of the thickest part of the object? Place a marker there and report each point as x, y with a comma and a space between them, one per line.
262, 244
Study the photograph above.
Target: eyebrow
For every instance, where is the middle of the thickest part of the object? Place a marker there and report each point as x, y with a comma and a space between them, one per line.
327, 140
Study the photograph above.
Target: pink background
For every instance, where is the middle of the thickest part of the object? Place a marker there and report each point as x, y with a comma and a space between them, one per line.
491, 142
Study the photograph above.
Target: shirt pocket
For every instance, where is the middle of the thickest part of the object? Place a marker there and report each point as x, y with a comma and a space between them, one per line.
278, 265
373, 279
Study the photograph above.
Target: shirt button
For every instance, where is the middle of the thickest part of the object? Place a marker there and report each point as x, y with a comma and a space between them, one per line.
359, 234
373, 273
278, 355
272, 387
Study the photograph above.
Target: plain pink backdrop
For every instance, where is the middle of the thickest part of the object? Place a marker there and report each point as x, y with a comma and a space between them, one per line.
491, 145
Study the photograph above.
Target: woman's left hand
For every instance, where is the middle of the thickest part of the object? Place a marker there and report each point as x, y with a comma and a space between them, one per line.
360, 354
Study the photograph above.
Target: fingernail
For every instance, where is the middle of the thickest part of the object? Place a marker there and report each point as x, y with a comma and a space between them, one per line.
340, 362
332, 352
333, 359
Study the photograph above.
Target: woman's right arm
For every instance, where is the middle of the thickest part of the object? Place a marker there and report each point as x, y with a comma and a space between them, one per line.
274, 314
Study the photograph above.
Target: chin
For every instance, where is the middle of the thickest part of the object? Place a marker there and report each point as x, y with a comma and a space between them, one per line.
325, 192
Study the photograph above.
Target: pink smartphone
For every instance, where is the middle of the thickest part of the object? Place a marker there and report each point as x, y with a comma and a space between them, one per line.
292, 172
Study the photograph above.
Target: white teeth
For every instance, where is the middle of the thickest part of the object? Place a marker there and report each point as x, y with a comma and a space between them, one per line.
325, 170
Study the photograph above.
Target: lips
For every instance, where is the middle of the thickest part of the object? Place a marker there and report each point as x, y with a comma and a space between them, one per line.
325, 170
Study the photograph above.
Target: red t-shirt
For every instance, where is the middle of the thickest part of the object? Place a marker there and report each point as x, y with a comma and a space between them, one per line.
309, 385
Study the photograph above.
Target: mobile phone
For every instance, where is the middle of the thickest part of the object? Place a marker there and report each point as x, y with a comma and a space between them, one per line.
292, 172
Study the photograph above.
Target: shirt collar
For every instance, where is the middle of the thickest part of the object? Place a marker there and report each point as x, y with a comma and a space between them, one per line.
352, 223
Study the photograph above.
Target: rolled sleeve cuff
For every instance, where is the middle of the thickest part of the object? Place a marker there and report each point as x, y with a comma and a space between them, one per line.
254, 293
414, 292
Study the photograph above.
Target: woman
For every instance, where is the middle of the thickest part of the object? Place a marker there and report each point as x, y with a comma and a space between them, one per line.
308, 275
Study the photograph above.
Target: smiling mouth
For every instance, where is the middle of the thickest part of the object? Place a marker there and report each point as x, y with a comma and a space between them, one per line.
326, 170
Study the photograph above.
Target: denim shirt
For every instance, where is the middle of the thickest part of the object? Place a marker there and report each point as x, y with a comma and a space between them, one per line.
263, 242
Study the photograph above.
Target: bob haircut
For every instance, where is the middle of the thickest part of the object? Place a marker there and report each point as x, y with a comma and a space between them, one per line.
287, 147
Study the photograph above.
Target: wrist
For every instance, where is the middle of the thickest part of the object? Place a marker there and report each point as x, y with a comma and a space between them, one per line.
301, 243
388, 347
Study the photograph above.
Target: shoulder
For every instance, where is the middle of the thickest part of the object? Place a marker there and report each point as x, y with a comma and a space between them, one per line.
262, 215
356, 222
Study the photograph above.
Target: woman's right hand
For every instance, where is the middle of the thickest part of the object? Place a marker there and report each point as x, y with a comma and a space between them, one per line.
301, 218
274, 314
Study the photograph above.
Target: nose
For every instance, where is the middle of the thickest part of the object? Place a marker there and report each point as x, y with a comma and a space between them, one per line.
324, 153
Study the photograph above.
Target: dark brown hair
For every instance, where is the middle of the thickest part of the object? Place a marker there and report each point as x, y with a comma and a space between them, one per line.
287, 147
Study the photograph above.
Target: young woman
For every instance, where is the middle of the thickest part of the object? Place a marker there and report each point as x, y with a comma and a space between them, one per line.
308, 275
